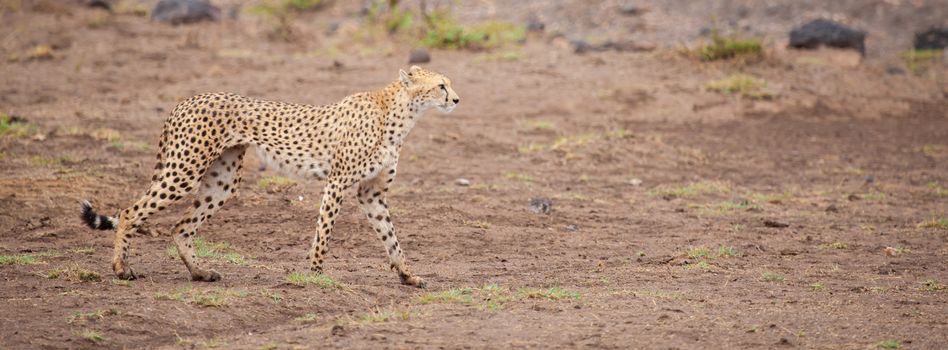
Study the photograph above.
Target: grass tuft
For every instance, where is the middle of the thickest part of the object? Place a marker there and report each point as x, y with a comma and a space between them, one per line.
889, 344
741, 84
275, 183
772, 277
92, 336
304, 278
18, 259
456, 295
835, 245
207, 298
13, 126
690, 190
443, 31
722, 47
75, 274
941, 223
554, 293
206, 249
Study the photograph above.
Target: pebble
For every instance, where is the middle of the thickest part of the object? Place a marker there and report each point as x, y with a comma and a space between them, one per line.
462, 182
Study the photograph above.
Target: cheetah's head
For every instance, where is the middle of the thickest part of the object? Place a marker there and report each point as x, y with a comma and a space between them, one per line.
429, 88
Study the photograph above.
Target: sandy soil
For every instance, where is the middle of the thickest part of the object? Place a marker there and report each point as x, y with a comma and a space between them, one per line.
643, 165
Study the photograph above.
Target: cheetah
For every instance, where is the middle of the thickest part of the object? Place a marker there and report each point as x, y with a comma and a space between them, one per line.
355, 141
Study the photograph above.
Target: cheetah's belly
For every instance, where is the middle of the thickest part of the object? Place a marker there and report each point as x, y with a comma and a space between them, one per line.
303, 164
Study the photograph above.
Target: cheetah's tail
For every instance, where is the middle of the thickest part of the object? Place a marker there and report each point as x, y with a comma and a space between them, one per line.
94, 220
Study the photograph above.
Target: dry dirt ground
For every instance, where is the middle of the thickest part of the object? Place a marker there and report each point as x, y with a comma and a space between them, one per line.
681, 217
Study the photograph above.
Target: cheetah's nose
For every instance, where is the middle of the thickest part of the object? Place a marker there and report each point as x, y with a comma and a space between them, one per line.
456, 100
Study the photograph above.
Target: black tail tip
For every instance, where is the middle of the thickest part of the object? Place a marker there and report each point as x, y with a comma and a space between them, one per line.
93, 219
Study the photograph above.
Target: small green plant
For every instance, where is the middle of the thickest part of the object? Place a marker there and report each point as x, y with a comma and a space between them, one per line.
304, 278
84, 250
889, 344
206, 249
701, 265
519, 176
554, 293
932, 285
83, 317
207, 298
13, 126
690, 190
92, 336
941, 223
477, 224
530, 148
729, 47
443, 31
817, 287
123, 283
835, 245
727, 252
919, 61
382, 315
938, 190
214, 343
75, 274
772, 277
282, 13
698, 252
307, 318
275, 183
741, 84
18, 259
456, 295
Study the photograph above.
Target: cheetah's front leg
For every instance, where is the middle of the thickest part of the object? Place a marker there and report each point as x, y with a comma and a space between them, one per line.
328, 210
372, 199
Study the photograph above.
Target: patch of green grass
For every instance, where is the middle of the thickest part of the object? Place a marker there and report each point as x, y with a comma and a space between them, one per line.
307, 318
84, 250
932, 285
43, 161
123, 283
282, 13
817, 287
455, 295
18, 259
889, 344
512, 175
698, 252
540, 124
941, 223
381, 315
531, 148
554, 293
690, 190
722, 47
214, 343
919, 61
206, 249
92, 336
83, 317
650, 294
320, 280
275, 183
701, 265
207, 298
443, 31
572, 141
12, 126
938, 190
874, 196
727, 252
276, 297
933, 150
772, 277
75, 274
484, 225
503, 56
741, 84
835, 245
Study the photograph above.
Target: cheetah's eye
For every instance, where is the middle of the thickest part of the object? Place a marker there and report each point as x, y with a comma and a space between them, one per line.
442, 87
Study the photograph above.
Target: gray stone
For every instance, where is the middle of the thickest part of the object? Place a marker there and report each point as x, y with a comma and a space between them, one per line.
824, 32
419, 55
184, 11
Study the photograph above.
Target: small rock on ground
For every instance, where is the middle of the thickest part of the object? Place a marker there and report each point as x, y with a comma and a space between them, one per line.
184, 11
462, 182
541, 205
419, 55
824, 32
932, 39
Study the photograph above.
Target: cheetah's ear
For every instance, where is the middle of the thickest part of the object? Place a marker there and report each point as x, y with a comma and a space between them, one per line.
414, 69
404, 78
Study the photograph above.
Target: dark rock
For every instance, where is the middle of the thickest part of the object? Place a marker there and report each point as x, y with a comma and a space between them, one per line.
184, 11
419, 55
541, 205
870, 179
631, 10
775, 224
580, 46
534, 25
832, 209
932, 39
894, 71
102, 4
823, 32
